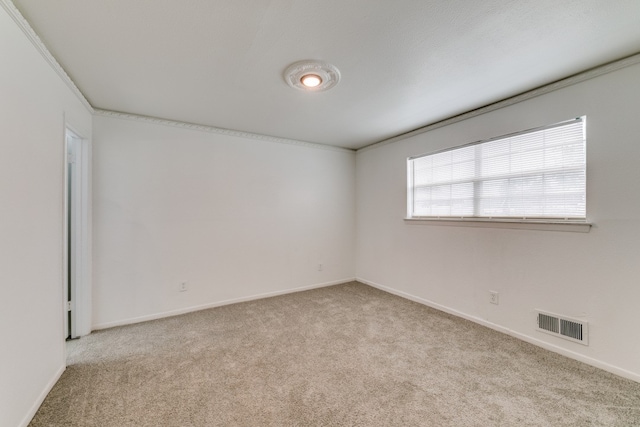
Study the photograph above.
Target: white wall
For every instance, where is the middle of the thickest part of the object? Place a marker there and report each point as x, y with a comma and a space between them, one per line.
238, 218
34, 102
234, 217
595, 276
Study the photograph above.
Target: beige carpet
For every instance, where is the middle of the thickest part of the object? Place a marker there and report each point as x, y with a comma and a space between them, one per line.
346, 355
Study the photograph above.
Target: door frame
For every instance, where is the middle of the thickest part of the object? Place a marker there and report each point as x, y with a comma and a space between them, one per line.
77, 265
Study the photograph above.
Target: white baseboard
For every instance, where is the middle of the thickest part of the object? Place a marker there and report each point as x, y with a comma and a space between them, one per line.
547, 346
177, 312
36, 405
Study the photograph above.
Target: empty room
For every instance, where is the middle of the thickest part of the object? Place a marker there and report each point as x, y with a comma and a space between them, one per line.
288, 213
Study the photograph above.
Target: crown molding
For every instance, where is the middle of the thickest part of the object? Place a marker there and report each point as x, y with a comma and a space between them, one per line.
542, 90
216, 130
24, 25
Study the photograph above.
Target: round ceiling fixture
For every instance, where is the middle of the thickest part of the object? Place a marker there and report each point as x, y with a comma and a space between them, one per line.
311, 80
311, 76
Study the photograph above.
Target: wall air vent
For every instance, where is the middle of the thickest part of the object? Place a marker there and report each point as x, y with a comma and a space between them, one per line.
563, 327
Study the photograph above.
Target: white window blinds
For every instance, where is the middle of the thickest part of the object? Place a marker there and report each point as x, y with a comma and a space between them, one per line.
536, 174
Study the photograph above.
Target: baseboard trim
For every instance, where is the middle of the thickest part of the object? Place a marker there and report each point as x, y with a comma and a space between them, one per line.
191, 309
36, 405
547, 346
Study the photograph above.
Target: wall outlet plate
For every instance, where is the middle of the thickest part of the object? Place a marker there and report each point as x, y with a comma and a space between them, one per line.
183, 287
493, 297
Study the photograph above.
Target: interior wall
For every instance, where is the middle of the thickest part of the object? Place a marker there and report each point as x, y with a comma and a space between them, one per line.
34, 105
592, 276
235, 218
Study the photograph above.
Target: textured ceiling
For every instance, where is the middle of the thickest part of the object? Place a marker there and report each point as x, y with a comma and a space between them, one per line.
404, 64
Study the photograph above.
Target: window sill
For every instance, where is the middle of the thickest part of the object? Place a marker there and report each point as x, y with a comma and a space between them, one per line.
571, 226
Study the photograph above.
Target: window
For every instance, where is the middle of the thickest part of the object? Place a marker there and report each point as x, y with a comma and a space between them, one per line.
539, 174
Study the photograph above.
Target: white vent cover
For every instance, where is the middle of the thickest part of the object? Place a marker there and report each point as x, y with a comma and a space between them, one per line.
563, 327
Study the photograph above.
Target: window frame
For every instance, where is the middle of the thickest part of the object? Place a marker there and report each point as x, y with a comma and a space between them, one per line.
561, 223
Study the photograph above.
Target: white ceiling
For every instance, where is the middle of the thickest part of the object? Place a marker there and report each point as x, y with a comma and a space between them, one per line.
404, 63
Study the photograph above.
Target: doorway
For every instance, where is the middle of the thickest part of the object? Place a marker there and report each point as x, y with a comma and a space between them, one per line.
76, 247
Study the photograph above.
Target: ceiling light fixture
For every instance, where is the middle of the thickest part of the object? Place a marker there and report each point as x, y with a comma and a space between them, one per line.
311, 76
311, 80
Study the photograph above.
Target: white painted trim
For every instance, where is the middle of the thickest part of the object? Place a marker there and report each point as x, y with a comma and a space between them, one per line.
576, 227
542, 90
26, 28
547, 346
65, 233
82, 303
36, 405
83, 298
216, 304
220, 131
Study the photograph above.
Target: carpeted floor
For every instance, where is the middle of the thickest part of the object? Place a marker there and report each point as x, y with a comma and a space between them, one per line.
346, 355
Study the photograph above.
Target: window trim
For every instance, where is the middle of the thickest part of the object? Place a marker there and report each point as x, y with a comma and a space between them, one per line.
576, 226
551, 223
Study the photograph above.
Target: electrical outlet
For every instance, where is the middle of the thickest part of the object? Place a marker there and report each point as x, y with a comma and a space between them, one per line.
320, 267
493, 297
183, 287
